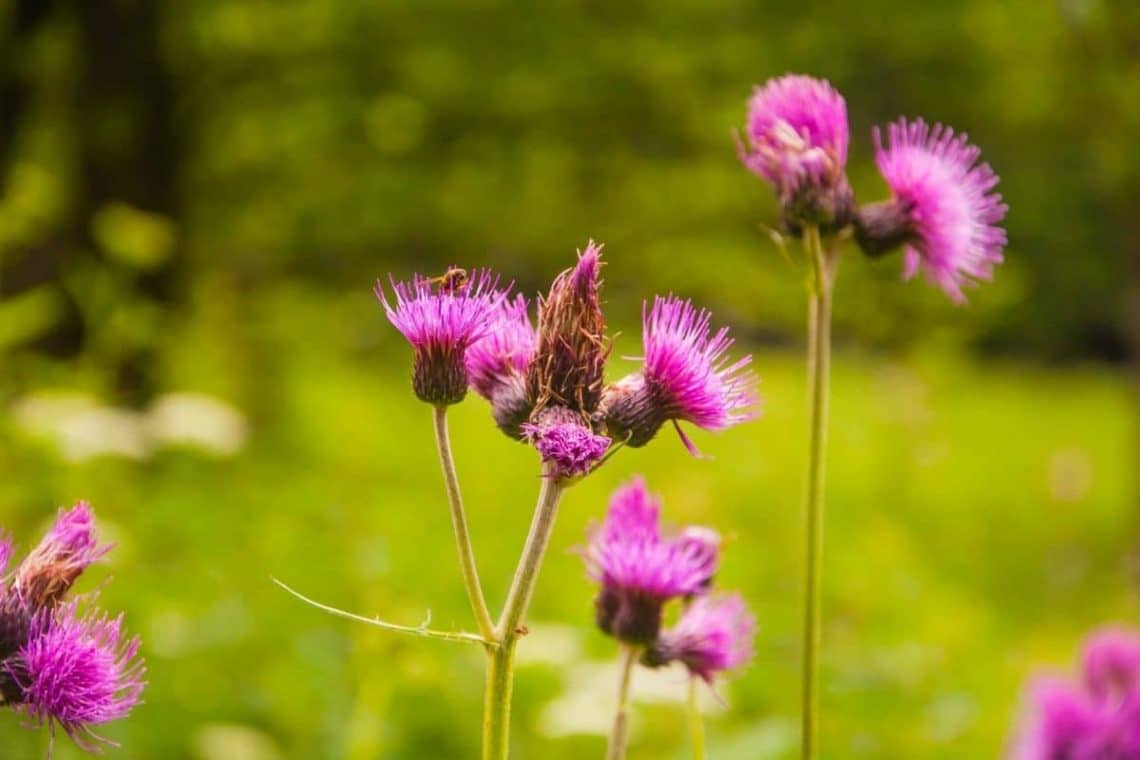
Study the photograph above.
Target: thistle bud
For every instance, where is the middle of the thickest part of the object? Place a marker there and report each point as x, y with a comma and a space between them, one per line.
572, 348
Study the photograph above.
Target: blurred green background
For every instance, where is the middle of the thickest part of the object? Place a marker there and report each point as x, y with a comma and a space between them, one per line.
197, 197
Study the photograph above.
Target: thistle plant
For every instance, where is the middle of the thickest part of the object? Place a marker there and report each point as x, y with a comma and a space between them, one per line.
64, 663
639, 570
943, 213
546, 385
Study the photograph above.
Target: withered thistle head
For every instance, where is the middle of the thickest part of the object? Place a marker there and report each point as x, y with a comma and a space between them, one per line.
51, 568
572, 347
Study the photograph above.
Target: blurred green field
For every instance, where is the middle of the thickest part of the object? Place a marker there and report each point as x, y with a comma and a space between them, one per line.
980, 518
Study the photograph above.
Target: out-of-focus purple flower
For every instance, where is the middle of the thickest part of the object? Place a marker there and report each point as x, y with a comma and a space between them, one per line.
944, 208
51, 568
714, 634
639, 569
565, 442
77, 671
1112, 663
1095, 720
441, 318
686, 377
797, 140
497, 364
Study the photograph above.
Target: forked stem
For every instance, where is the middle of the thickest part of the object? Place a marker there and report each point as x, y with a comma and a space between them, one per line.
501, 665
459, 523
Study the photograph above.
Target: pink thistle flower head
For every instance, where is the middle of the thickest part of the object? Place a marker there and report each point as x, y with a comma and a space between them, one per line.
944, 210
497, 364
572, 348
568, 446
69, 547
686, 377
441, 317
77, 671
797, 139
638, 568
714, 634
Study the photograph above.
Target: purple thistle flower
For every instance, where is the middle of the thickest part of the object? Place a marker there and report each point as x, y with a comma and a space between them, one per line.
714, 634
1098, 719
638, 568
440, 324
944, 208
77, 671
565, 442
686, 377
497, 364
797, 139
51, 568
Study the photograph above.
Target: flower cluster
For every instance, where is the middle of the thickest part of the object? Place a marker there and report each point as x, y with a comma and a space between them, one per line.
640, 569
60, 664
546, 383
1096, 719
943, 209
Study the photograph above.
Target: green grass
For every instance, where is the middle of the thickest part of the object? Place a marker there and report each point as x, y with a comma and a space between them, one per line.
978, 522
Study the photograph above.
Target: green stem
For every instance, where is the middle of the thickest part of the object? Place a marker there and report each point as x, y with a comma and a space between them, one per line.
819, 356
500, 670
696, 724
459, 523
619, 735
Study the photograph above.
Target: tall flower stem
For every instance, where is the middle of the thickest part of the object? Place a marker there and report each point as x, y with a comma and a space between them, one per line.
696, 724
459, 523
619, 734
501, 665
819, 359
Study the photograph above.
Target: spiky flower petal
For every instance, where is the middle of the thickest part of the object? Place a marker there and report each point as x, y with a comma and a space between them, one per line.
77, 671
51, 568
638, 568
714, 634
441, 318
686, 377
944, 207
